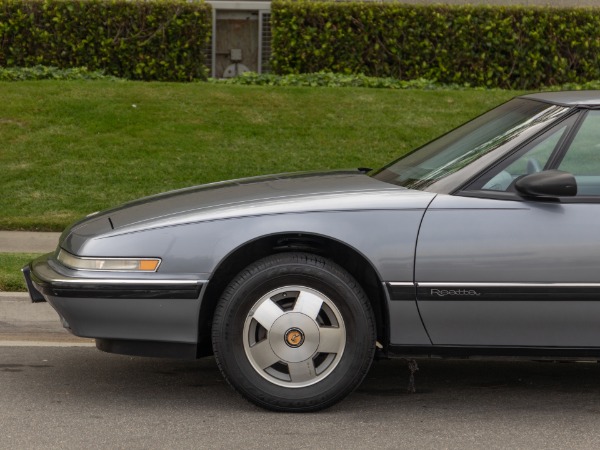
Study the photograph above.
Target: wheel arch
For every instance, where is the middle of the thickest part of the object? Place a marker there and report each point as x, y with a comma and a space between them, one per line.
339, 252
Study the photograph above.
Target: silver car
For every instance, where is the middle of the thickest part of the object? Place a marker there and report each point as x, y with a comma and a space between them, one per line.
483, 242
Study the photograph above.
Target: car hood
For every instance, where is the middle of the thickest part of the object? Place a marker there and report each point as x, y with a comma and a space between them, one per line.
274, 194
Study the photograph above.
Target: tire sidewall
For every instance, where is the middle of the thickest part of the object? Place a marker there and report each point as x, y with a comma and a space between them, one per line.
335, 285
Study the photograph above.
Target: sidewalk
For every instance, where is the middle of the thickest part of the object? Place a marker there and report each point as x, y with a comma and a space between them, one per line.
27, 242
23, 323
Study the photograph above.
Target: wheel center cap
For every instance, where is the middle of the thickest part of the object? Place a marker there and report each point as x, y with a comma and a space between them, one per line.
294, 337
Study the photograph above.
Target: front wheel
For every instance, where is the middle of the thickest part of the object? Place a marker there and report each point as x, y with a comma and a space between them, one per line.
294, 332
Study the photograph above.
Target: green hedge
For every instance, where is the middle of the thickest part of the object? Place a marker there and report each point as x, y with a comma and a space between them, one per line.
329, 79
52, 73
491, 46
140, 40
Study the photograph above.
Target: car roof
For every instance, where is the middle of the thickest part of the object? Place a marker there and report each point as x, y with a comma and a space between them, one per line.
568, 98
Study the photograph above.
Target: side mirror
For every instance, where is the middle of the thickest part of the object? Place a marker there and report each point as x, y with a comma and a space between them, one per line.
548, 183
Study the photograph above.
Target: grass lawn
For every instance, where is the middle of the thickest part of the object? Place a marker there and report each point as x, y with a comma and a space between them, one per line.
11, 278
70, 148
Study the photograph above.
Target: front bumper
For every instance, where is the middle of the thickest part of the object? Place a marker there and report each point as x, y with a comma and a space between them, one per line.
45, 278
146, 308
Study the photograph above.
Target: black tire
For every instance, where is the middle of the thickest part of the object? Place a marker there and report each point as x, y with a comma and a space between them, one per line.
311, 308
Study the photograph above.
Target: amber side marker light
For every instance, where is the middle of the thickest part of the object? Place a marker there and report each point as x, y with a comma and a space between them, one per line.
149, 265
108, 264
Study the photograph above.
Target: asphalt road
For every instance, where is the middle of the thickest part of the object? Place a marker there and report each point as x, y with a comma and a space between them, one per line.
78, 397
58, 391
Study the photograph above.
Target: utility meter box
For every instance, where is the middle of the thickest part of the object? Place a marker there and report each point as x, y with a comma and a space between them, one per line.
241, 37
235, 54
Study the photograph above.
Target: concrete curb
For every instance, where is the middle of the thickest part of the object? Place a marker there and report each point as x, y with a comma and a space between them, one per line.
27, 324
17, 307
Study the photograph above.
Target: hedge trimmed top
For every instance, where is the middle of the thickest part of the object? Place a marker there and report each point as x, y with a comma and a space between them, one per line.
492, 46
507, 47
139, 40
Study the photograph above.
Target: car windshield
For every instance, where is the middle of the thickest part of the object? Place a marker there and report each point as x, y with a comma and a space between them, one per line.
463, 145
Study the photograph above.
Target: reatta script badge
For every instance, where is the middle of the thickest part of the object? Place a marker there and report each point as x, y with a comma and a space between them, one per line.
456, 292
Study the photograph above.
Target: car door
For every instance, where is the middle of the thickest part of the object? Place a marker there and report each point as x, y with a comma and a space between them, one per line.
495, 269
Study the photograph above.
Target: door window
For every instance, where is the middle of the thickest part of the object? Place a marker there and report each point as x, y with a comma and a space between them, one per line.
582, 158
533, 158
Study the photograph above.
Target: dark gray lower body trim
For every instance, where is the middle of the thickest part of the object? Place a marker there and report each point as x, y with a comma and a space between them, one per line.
401, 291
148, 348
92, 290
109, 288
502, 353
508, 291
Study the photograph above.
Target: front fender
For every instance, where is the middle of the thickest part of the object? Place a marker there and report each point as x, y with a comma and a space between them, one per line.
386, 238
